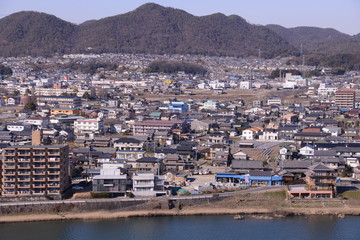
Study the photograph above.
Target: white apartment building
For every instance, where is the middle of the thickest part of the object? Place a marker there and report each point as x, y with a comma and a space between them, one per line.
38, 121
274, 101
148, 184
245, 85
323, 90
88, 126
210, 105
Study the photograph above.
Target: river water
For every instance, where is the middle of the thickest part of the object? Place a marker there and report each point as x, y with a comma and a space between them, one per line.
187, 228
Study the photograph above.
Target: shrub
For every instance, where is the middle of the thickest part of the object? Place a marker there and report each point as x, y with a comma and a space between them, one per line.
352, 195
100, 195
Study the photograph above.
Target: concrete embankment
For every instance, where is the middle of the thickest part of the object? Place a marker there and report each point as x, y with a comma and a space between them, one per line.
273, 204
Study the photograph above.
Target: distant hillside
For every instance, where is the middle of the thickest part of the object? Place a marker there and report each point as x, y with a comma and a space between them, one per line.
148, 29
319, 40
33, 33
155, 29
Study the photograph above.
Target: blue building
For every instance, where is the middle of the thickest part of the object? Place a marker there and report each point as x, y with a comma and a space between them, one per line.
179, 107
254, 178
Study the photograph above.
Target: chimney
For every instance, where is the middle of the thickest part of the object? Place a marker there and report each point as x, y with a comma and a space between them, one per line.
36, 137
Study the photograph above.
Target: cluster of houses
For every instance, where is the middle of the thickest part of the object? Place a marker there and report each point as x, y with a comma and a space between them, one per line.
123, 142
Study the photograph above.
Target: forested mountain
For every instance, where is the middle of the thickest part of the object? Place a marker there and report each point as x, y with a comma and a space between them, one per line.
152, 28
33, 33
319, 40
148, 29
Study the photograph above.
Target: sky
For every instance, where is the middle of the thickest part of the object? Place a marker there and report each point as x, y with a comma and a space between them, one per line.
342, 15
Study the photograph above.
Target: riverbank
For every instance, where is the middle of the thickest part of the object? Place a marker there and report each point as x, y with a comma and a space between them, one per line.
269, 203
108, 215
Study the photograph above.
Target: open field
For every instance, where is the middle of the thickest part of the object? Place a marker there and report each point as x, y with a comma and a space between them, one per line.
246, 95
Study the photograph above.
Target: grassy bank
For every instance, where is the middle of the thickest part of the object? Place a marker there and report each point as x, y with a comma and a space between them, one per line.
267, 203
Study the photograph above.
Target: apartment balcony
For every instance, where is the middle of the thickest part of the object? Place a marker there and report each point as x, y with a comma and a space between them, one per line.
24, 153
24, 160
53, 172
24, 173
39, 179
56, 179
53, 153
39, 192
39, 172
53, 191
9, 160
39, 160
24, 192
39, 153
39, 166
10, 153
24, 179
13, 179
27, 166
39, 186
143, 185
53, 185
22, 186
9, 173
8, 166
9, 186
10, 192
54, 159
51, 166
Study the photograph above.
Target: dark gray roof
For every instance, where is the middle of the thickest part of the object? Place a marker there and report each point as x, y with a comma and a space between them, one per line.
260, 173
320, 167
127, 140
325, 153
247, 164
148, 160
296, 164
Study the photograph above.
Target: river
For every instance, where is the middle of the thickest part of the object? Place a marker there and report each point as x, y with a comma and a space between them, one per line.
188, 227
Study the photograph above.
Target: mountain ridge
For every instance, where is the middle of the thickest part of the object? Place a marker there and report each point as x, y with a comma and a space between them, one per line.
152, 28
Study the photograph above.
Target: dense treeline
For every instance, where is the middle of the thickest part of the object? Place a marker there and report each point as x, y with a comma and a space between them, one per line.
338, 61
91, 67
173, 67
4, 70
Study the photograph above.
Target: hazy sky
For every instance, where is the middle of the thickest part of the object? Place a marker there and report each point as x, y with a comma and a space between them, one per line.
343, 15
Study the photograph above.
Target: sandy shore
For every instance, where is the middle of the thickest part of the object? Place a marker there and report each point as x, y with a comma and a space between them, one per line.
103, 215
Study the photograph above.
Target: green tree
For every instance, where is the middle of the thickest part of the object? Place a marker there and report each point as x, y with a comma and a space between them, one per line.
338, 71
86, 95
27, 92
5, 70
16, 93
30, 106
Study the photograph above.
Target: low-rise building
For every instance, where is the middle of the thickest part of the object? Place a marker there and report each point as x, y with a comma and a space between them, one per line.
89, 126
110, 180
148, 184
59, 101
